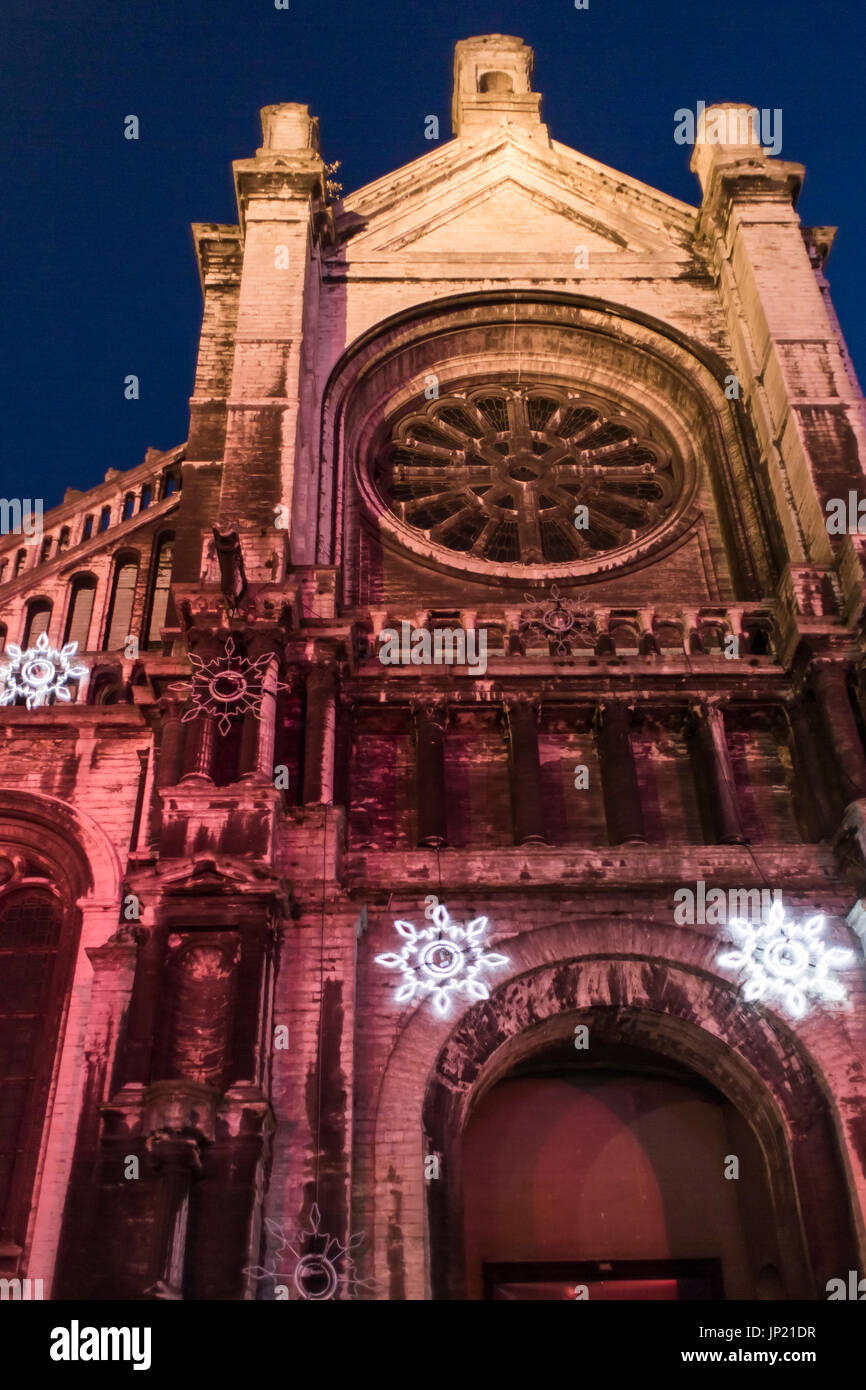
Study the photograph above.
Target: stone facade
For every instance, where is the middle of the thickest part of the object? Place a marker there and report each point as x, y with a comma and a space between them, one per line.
503, 394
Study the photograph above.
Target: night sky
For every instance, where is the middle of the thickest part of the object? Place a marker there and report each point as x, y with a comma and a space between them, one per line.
98, 265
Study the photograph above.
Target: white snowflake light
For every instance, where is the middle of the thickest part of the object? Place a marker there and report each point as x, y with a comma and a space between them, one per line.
225, 687
39, 673
318, 1266
786, 960
441, 961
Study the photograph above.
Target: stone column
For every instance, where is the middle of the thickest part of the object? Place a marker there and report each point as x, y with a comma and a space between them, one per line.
430, 768
321, 716
143, 1005
176, 1157
198, 752
715, 773
256, 758
248, 754
619, 782
171, 745
810, 771
831, 688
343, 752
527, 798
199, 743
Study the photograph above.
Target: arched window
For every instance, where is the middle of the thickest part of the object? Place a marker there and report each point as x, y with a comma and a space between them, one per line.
63, 540
122, 598
2, 637
37, 620
108, 693
146, 497
172, 481
105, 519
87, 529
105, 687
4, 565
45, 552
80, 610
30, 923
20, 561
128, 506
161, 588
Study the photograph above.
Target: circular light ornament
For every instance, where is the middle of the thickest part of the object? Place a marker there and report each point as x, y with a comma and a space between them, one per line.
787, 961
542, 480
39, 674
226, 687
315, 1265
442, 961
315, 1277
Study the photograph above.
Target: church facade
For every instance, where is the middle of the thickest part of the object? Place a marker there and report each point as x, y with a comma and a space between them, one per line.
432, 826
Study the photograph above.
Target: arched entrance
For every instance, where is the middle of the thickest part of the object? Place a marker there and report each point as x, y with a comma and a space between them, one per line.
706, 1073
611, 1171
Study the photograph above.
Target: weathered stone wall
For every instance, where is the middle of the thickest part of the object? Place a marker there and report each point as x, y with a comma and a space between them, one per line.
700, 673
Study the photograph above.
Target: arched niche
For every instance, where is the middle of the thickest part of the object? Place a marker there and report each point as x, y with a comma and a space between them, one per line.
748, 1055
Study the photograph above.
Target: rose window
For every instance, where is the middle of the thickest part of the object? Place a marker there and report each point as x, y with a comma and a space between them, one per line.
525, 476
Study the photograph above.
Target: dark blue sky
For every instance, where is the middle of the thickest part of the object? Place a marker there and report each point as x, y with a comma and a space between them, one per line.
98, 265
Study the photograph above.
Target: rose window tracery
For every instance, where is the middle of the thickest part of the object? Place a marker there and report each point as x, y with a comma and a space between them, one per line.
525, 476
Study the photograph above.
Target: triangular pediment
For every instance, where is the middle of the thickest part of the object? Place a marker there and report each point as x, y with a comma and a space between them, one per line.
505, 195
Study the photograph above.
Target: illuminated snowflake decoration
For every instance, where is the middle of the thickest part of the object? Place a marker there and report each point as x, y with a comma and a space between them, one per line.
39, 674
787, 961
226, 687
316, 1267
558, 618
442, 961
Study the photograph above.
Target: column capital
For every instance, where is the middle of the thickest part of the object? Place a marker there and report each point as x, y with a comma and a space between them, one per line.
709, 707
529, 705
433, 710
613, 709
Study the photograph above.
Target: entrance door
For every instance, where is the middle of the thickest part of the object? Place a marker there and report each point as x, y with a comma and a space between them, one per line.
628, 1174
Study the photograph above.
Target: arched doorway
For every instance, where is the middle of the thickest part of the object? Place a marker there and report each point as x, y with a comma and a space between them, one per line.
610, 1171
766, 1093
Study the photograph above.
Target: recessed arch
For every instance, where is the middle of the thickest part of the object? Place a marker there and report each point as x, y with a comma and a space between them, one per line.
159, 587
122, 601
749, 1056
82, 596
55, 863
37, 619
658, 374
500, 83
68, 843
